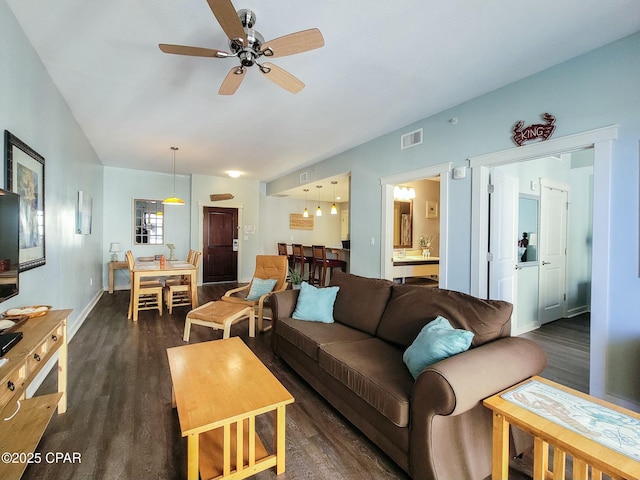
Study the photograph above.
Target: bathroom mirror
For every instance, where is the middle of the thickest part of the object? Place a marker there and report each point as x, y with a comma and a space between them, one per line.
148, 218
528, 228
403, 224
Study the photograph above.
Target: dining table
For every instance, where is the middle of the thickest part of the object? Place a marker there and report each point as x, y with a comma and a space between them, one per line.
170, 268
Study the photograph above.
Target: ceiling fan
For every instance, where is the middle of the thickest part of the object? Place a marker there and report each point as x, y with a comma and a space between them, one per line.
249, 46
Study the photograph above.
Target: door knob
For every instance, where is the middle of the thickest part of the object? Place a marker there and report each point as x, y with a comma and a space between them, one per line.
546, 263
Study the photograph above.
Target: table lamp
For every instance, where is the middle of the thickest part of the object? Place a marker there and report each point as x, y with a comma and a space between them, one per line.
114, 249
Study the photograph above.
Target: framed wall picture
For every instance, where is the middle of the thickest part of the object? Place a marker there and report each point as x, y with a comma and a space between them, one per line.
432, 209
24, 175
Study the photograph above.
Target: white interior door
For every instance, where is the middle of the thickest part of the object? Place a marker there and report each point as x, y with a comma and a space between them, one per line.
503, 238
554, 204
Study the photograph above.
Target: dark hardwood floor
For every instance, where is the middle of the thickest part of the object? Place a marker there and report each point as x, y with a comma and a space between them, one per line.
121, 422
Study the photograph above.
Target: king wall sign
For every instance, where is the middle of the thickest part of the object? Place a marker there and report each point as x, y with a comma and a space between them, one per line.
535, 131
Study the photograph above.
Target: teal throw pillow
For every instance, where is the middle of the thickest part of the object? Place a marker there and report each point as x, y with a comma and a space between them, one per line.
315, 304
260, 287
436, 341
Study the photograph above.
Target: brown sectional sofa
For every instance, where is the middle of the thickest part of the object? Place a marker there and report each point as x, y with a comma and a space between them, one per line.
434, 427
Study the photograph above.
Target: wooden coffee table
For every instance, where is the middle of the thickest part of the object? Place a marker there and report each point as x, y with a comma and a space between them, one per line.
594, 432
219, 388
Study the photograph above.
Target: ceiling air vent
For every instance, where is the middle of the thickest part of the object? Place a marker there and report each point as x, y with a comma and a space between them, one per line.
411, 139
303, 177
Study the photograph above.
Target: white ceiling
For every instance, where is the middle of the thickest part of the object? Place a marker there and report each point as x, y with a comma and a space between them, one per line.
385, 64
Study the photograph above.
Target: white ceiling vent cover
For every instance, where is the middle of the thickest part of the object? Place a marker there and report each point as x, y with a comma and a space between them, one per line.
411, 139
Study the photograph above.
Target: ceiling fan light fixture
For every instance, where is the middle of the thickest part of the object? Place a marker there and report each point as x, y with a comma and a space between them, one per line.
174, 200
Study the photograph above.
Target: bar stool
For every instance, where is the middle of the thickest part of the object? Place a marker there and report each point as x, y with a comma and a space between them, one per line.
299, 258
321, 263
282, 250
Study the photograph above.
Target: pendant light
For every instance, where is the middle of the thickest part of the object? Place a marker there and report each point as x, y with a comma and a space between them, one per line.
173, 200
334, 209
305, 214
318, 210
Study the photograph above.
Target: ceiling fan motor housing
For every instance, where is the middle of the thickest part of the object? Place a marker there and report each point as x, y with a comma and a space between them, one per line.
250, 52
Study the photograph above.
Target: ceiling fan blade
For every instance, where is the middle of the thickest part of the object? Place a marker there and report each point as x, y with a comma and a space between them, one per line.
232, 81
193, 51
294, 43
227, 17
281, 77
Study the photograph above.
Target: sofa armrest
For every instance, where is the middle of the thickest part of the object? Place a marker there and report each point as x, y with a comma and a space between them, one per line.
283, 304
459, 383
472, 376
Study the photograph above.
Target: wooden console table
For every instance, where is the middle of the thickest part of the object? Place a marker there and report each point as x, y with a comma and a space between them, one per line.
113, 266
594, 432
23, 421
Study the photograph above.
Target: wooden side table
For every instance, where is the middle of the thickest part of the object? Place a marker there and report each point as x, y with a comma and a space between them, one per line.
115, 266
594, 432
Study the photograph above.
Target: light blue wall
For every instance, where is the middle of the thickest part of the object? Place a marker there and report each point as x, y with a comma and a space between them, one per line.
32, 109
594, 90
121, 186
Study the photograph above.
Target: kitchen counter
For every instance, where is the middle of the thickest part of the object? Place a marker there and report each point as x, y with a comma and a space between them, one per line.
415, 266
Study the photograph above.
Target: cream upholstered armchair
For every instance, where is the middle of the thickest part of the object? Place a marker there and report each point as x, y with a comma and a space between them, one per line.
269, 277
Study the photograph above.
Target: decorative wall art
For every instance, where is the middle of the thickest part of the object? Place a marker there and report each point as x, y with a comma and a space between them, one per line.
541, 131
24, 175
84, 214
298, 222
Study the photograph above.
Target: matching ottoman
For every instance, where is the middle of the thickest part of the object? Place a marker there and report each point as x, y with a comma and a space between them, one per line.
219, 316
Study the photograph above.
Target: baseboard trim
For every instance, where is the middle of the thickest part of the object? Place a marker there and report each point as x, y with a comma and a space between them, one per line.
71, 331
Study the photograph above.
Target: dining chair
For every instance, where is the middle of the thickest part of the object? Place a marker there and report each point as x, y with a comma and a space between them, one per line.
149, 295
299, 258
257, 293
177, 290
321, 264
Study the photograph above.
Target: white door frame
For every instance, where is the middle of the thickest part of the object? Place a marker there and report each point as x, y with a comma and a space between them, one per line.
601, 140
387, 183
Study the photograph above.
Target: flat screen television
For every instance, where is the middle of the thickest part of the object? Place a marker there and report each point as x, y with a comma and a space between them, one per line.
9, 244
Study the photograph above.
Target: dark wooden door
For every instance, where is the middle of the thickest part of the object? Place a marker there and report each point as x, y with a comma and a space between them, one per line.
220, 260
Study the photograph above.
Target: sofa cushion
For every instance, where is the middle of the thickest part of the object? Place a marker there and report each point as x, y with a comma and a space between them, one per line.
315, 304
374, 371
360, 301
436, 341
310, 336
412, 307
